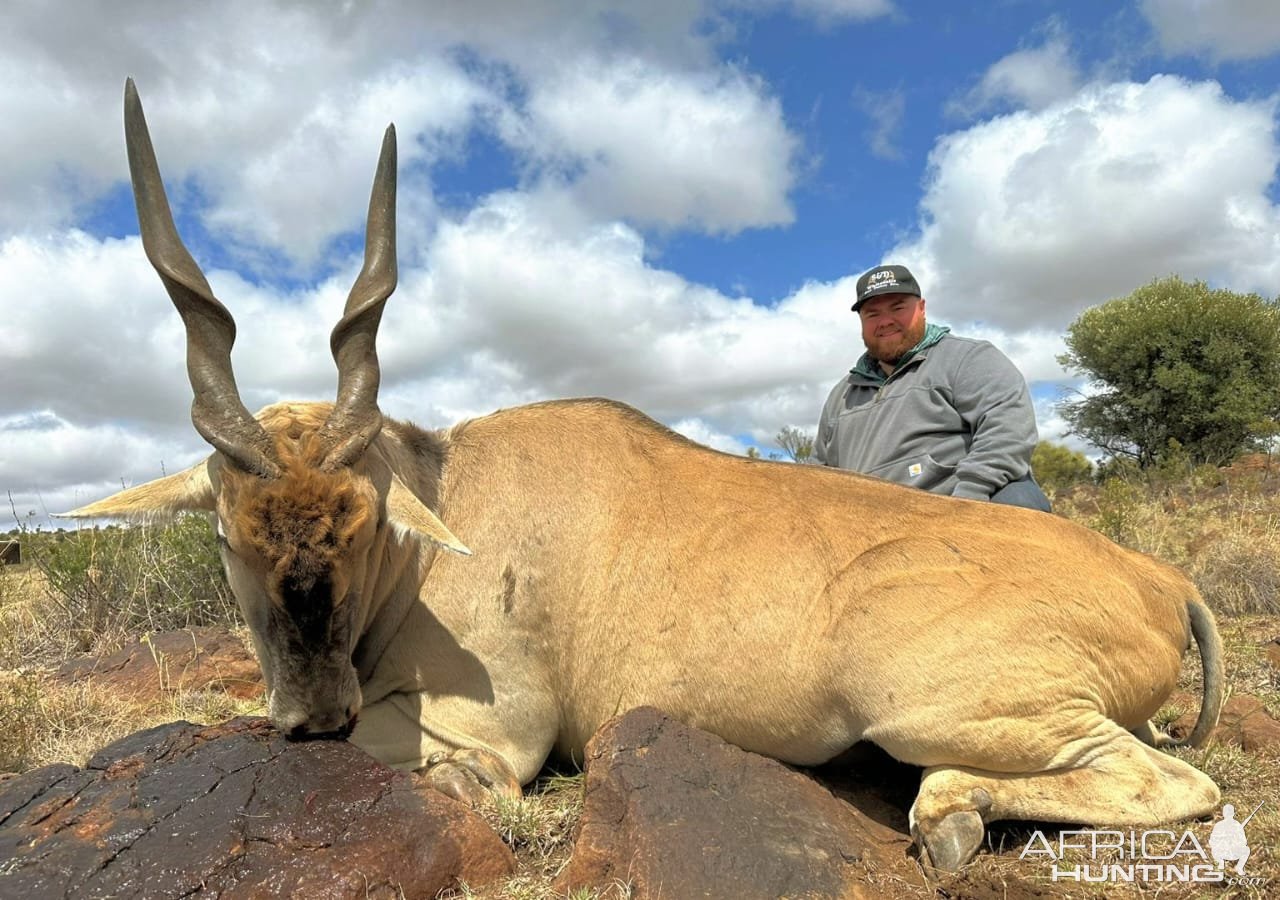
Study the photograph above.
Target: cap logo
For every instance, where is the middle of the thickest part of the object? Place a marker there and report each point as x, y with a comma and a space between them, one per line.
884, 280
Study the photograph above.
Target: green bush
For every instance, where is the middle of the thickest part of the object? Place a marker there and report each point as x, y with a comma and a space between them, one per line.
103, 584
1057, 467
1176, 362
1124, 507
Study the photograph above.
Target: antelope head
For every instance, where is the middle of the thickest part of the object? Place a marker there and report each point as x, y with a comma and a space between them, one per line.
302, 506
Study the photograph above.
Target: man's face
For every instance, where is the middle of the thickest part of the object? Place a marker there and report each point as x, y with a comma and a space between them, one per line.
891, 325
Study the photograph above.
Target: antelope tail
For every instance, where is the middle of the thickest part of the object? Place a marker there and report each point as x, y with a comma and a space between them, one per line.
1205, 631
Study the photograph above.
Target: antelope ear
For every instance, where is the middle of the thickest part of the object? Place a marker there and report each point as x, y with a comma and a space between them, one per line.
187, 491
408, 515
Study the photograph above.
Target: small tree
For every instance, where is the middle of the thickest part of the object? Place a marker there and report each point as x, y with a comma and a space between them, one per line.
1057, 467
797, 444
1176, 364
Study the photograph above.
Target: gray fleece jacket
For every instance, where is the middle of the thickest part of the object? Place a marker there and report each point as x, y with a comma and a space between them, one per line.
956, 418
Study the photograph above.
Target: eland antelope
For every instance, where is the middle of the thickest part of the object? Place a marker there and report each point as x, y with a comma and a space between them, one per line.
489, 594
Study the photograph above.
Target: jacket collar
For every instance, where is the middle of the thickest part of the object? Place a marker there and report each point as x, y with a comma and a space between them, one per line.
868, 366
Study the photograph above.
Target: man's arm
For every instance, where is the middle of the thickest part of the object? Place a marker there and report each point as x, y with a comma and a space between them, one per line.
824, 450
992, 398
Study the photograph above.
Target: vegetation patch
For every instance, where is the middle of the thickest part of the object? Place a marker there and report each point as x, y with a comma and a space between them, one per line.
95, 589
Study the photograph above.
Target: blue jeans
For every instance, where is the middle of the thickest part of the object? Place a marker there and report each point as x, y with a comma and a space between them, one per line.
1023, 492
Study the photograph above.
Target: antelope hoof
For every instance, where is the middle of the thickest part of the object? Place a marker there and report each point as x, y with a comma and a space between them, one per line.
471, 776
952, 842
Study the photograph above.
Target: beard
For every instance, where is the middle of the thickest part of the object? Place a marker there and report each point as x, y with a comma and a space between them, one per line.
891, 347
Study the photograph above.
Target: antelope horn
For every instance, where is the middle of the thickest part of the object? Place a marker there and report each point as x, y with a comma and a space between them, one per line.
216, 411
356, 419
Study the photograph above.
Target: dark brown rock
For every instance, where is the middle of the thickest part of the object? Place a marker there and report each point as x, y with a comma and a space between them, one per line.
234, 811
191, 659
672, 811
1245, 722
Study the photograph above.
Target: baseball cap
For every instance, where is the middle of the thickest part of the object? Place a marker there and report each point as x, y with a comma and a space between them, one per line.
885, 280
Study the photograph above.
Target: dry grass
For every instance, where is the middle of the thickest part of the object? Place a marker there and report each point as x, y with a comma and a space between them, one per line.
42, 722
1223, 531
541, 822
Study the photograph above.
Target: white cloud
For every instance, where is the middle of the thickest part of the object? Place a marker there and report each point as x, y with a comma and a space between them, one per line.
1031, 217
699, 431
302, 186
266, 119
662, 147
1030, 78
62, 453
1221, 30
1054, 428
288, 101
91, 322
49, 465
885, 110
267, 124
520, 307
824, 11
851, 9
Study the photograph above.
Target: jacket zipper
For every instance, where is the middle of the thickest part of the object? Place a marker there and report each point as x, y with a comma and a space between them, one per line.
918, 358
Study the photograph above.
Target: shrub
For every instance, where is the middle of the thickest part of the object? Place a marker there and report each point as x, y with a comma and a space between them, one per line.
1057, 467
104, 584
1176, 361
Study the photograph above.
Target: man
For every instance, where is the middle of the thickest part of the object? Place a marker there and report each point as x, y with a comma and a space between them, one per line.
928, 409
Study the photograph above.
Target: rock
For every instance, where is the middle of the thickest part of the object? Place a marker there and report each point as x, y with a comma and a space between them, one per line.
1245, 722
235, 811
192, 659
672, 811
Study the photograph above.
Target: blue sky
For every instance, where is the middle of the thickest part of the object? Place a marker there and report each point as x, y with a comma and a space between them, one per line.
666, 204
